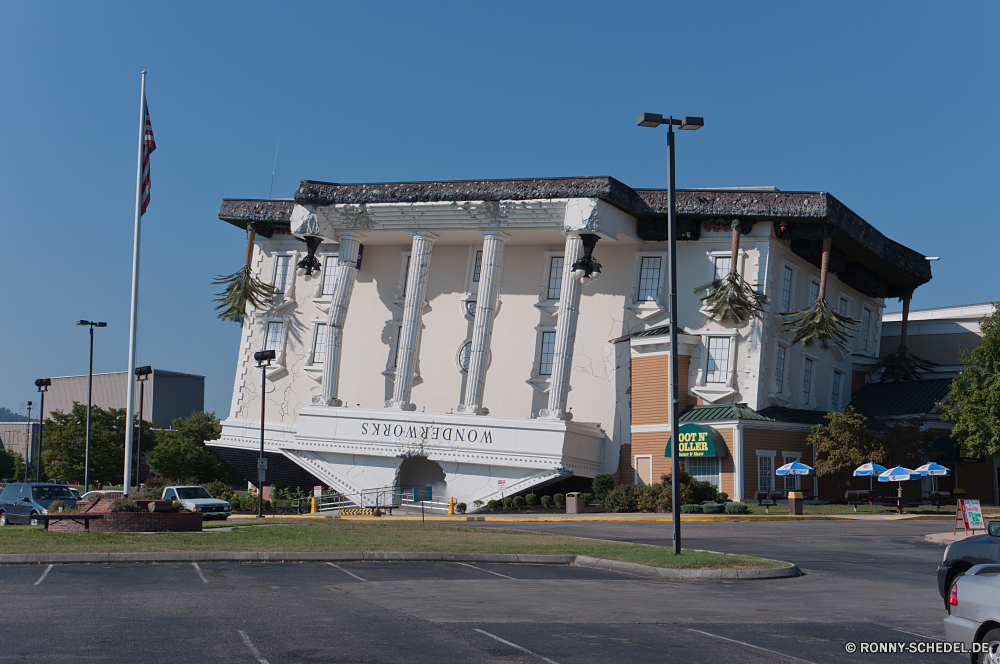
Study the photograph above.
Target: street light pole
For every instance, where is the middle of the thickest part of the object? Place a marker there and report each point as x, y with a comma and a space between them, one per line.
141, 373
654, 120
90, 394
27, 444
43, 385
263, 358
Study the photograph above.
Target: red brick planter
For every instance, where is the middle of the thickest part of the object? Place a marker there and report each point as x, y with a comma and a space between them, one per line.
135, 522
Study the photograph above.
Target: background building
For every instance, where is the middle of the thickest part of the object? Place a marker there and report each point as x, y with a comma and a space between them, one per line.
16, 436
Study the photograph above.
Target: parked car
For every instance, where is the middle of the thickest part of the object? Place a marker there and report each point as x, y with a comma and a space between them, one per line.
198, 499
22, 503
967, 553
974, 612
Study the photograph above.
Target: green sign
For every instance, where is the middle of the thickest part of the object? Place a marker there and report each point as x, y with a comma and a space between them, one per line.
699, 440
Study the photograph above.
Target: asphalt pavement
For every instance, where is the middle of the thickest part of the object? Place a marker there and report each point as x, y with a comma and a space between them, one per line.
864, 582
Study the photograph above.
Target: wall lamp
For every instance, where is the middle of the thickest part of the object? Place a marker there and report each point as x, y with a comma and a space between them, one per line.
309, 264
588, 268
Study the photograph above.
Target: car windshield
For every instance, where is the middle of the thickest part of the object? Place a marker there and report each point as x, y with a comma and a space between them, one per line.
192, 492
52, 493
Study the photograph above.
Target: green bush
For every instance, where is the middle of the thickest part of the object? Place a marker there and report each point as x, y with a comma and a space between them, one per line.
461, 507
532, 500
587, 497
519, 502
546, 501
693, 492
722, 497
124, 505
713, 508
602, 484
507, 500
559, 499
494, 505
220, 490
692, 509
737, 508
477, 503
653, 498
623, 498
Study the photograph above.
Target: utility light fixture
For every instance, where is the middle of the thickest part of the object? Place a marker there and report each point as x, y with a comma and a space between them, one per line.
309, 264
43, 384
588, 268
142, 372
264, 356
87, 322
655, 120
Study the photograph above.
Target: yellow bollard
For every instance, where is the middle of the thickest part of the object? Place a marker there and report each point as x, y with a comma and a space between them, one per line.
451, 505
313, 510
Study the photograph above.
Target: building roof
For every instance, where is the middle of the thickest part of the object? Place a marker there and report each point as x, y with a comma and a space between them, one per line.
794, 415
914, 397
719, 413
972, 311
862, 257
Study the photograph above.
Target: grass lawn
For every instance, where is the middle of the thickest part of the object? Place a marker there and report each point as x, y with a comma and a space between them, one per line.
807, 509
344, 535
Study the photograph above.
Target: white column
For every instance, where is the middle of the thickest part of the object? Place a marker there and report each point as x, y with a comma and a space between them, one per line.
413, 311
739, 482
490, 273
345, 272
569, 311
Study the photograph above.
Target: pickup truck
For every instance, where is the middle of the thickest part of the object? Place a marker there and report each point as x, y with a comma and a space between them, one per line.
198, 499
965, 554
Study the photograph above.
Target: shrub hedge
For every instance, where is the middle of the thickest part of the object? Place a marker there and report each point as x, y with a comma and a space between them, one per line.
737, 508
692, 509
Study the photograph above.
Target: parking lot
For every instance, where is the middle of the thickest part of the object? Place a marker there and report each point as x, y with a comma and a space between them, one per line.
864, 582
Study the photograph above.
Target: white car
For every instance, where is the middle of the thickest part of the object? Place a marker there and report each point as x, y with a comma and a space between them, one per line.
198, 499
974, 612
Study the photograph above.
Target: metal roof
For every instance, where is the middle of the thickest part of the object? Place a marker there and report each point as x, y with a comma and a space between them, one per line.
719, 413
794, 415
915, 397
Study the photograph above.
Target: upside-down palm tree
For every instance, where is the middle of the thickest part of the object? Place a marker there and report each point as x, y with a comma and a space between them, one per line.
243, 287
732, 297
902, 364
820, 322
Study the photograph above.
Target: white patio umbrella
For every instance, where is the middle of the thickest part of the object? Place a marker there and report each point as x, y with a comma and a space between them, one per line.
899, 475
934, 470
869, 470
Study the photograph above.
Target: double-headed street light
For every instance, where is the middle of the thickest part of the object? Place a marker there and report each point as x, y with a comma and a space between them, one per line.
27, 445
142, 373
691, 123
263, 358
43, 385
90, 393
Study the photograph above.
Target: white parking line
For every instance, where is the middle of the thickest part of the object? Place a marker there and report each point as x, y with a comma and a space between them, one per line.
514, 645
488, 571
198, 569
252, 647
929, 638
44, 574
346, 572
750, 645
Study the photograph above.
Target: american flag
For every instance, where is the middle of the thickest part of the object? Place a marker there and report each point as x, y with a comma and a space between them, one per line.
148, 145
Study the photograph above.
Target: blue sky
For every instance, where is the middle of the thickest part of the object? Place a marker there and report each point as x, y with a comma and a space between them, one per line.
889, 106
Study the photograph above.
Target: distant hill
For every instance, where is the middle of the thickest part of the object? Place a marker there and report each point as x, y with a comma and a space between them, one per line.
7, 415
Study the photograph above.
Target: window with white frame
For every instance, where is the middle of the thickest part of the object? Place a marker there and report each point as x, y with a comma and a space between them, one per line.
548, 350
813, 292
838, 380
779, 368
786, 288
319, 343
329, 262
704, 469
807, 376
477, 268
792, 482
555, 278
282, 273
274, 335
406, 276
844, 308
866, 326
718, 360
723, 264
765, 472
643, 470
649, 278
463, 356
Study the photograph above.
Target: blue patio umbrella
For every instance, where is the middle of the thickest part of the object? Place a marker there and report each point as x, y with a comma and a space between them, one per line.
899, 475
934, 470
869, 470
795, 468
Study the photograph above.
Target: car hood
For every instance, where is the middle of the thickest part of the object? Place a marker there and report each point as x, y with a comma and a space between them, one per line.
203, 501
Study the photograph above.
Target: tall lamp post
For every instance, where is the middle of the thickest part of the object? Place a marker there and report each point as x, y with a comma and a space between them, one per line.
655, 120
263, 358
142, 373
27, 445
90, 394
43, 385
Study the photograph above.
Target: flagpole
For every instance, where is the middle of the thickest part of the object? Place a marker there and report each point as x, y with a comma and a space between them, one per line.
133, 322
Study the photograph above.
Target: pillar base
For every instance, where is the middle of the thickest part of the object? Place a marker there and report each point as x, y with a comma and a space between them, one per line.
471, 409
320, 401
546, 414
399, 405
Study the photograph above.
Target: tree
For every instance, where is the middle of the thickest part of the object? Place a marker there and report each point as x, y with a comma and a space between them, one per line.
180, 451
905, 441
731, 296
7, 415
844, 443
243, 287
973, 406
66, 440
10, 462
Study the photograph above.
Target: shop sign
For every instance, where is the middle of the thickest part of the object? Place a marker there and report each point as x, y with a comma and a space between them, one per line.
698, 440
426, 432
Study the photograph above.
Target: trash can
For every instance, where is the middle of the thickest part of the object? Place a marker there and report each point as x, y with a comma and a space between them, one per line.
795, 503
574, 503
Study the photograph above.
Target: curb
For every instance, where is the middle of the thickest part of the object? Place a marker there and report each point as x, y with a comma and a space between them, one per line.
402, 556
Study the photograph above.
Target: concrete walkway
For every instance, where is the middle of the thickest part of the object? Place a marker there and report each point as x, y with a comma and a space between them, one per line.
951, 538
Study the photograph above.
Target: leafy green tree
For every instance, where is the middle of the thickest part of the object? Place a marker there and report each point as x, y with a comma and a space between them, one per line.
974, 404
7, 415
845, 443
66, 440
602, 484
180, 451
10, 462
905, 441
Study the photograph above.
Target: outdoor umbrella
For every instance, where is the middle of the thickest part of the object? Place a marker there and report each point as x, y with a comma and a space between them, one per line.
934, 470
869, 470
900, 475
795, 468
